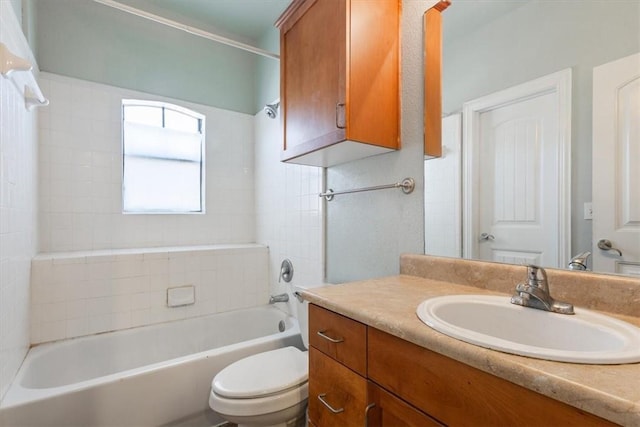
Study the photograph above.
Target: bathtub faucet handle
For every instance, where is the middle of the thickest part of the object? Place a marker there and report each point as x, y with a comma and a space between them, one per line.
286, 271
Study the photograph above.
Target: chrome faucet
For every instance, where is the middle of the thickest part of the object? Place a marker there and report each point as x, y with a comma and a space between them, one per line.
535, 293
278, 298
579, 262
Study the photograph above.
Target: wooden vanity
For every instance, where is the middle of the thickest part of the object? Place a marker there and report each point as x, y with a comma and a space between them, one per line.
372, 362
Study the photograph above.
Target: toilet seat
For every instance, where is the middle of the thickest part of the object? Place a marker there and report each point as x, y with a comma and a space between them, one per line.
263, 374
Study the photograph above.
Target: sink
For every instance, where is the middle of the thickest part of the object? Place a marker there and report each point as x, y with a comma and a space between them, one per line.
493, 322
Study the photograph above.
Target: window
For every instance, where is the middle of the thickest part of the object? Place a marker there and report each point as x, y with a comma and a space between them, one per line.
163, 158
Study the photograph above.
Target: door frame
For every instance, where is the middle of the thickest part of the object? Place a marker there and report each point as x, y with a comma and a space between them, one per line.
558, 83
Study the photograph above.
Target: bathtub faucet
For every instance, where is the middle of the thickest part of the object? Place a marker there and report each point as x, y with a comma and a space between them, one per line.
278, 298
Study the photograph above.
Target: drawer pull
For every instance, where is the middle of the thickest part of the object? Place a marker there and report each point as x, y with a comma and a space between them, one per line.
326, 337
366, 413
325, 403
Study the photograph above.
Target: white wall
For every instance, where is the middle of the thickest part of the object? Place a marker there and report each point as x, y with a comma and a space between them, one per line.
289, 211
81, 168
18, 204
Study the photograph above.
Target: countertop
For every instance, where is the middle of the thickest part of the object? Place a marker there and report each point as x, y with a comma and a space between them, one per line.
389, 304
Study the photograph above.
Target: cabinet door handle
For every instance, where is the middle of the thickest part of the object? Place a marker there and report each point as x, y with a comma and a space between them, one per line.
328, 338
340, 119
325, 403
366, 413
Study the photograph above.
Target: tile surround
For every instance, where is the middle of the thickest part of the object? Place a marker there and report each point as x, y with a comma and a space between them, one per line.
289, 213
80, 170
18, 207
83, 293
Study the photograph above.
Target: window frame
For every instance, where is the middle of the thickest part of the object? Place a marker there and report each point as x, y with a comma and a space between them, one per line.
201, 118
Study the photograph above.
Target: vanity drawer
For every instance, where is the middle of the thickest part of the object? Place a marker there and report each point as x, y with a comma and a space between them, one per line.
343, 391
453, 392
339, 337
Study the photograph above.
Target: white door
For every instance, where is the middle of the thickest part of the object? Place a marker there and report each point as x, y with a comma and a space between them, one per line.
517, 163
616, 166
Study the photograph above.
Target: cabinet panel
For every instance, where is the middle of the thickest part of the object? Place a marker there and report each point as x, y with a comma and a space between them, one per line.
340, 80
456, 393
339, 337
341, 389
393, 412
313, 75
373, 86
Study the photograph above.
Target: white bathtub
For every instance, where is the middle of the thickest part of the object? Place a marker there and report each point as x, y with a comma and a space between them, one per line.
146, 376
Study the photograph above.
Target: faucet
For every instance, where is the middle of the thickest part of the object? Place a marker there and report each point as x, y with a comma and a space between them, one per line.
278, 298
579, 262
535, 293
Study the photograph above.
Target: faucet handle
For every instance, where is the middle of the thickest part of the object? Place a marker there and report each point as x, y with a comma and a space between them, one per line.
532, 276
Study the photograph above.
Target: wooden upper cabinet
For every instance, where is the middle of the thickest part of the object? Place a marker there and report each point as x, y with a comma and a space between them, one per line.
339, 80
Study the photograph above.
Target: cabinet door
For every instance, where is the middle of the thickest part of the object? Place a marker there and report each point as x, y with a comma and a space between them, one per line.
339, 337
313, 77
388, 410
337, 395
459, 394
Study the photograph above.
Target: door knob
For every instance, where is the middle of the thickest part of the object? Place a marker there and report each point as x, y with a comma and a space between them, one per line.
487, 236
606, 245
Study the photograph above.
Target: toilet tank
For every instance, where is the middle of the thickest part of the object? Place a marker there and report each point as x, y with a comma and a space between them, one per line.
302, 312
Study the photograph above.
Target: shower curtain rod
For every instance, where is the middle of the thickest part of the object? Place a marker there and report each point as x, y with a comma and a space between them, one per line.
188, 29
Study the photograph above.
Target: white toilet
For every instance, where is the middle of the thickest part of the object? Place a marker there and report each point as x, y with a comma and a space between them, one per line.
266, 389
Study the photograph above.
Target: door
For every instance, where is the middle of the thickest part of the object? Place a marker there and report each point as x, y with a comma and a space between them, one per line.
616, 166
517, 174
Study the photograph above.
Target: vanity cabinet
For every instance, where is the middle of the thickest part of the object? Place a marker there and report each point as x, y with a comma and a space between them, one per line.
403, 384
339, 80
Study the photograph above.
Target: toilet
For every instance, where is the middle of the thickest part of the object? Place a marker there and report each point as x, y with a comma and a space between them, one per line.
266, 389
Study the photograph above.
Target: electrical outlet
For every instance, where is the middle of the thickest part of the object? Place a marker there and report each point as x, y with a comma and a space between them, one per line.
588, 211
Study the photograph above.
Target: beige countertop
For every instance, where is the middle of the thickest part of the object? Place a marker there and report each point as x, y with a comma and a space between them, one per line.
389, 304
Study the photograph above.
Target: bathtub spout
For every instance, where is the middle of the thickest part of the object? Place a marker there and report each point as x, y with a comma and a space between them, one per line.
278, 298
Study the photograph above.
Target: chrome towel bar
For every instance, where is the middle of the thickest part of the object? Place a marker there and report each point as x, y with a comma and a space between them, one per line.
407, 185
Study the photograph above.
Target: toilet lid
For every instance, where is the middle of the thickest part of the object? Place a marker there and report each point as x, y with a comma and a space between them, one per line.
263, 374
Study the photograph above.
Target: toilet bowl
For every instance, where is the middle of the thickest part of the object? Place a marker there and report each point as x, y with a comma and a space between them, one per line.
266, 389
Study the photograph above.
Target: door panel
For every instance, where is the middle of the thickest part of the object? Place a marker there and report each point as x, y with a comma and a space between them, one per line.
517, 187
616, 165
516, 151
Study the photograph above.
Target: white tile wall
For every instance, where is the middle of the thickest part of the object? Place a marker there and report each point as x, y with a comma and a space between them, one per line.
288, 210
18, 203
83, 293
81, 167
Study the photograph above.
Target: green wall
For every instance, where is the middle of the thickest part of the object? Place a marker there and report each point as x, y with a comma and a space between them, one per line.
268, 71
89, 41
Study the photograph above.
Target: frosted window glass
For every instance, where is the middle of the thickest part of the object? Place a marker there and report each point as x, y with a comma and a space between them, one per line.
143, 114
150, 141
163, 166
161, 185
179, 121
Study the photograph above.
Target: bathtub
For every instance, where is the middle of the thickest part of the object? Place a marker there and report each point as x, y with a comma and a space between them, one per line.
146, 376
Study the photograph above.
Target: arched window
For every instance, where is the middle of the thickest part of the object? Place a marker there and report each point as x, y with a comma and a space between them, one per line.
163, 158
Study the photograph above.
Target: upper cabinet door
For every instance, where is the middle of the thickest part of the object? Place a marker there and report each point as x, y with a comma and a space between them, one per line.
340, 71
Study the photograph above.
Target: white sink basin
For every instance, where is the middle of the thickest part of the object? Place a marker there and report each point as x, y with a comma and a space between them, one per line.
493, 322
